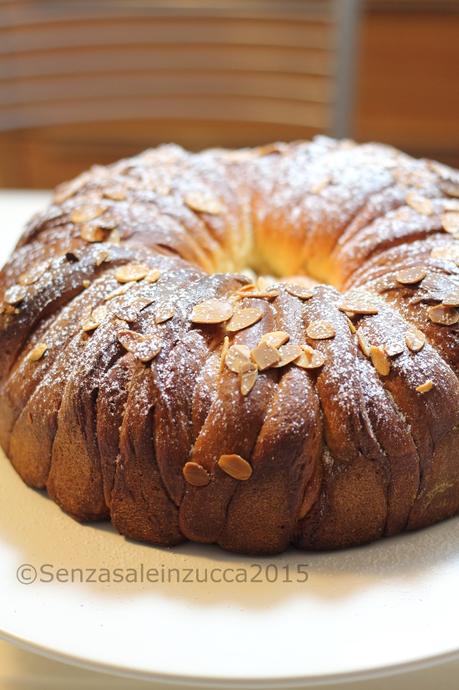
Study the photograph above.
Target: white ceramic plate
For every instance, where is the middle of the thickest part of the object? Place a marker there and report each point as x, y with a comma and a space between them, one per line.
361, 612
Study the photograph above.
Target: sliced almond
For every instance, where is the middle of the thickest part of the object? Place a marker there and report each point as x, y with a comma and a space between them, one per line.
289, 353
115, 237
415, 339
320, 184
450, 222
243, 318
299, 291
419, 203
97, 317
450, 252
92, 233
310, 358
452, 299
102, 257
320, 330
114, 194
119, 292
275, 338
363, 343
254, 291
265, 356
224, 352
203, 203
393, 348
360, 302
235, 466
352, 328
164, 313
450, 188
248, 380
143, 347
411, 276
380, 360
15, 294
212, 311
425, 387
237, 359
87, 213
34, 273
195, 474
131, 273
153, 276
443, 315
37, 352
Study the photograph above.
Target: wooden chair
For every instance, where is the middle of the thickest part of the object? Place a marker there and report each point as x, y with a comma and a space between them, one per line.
93, 81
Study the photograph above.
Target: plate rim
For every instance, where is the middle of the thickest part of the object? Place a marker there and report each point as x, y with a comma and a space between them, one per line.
118, 670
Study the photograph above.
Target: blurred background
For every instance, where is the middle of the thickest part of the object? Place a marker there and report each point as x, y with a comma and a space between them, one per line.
84, 81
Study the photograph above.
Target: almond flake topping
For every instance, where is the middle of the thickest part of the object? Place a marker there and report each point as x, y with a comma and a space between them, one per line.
115, 237
164, 313
260, 289
452, 299
153, 276
289, 353
212, 311
275, 338
37, 352
393, 349
265, 356
248, 380
443, 315
224, 352
102, 257
203, 203
97, 316
450, 252
143, 347
320, 330
411, 276
237, 359
87, 213
310, 358
380, 360
114, 194
450, 188
131, 273
320, 185
425, 387
243, 318
300, 291
359, 302
363, 343
15, 294
450, 222
415, 339
259, 294
235, 466
352, 328
419, 203
195, 474
92, 233
34, 273
119, 291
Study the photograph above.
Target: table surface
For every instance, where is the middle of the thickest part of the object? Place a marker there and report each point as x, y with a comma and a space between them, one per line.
21, 669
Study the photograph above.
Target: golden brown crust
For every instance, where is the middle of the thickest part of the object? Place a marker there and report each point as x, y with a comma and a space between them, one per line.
117, 368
